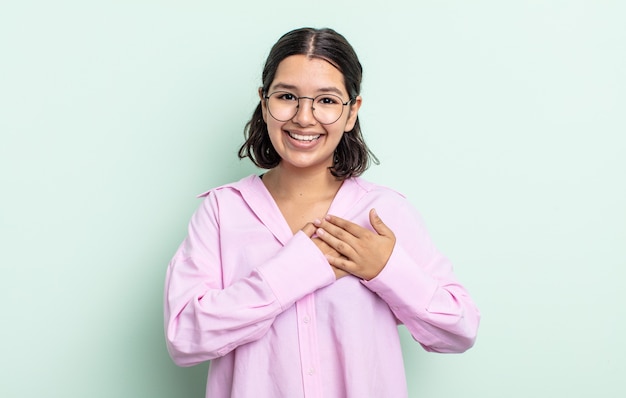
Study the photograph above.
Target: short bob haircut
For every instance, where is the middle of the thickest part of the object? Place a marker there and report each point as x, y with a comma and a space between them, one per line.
352, 156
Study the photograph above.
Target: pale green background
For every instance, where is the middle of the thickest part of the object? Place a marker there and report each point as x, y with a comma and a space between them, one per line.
502, 121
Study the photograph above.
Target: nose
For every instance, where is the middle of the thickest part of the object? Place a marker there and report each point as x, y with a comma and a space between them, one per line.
304, 114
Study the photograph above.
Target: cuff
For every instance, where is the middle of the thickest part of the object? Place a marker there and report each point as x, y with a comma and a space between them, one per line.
298, 269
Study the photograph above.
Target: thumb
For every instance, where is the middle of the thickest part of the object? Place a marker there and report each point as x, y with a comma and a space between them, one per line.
378, 224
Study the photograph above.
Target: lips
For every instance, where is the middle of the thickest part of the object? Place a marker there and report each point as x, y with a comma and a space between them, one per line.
304, 138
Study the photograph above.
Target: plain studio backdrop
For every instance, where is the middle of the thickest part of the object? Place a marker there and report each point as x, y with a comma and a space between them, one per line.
503, 122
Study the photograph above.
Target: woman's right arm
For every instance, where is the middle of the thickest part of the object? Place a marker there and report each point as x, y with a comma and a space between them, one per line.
205, 319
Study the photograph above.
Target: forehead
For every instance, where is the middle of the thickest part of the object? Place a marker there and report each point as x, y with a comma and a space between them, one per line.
308, 74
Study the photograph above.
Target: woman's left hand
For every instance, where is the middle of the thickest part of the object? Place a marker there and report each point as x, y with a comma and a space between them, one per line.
366, 253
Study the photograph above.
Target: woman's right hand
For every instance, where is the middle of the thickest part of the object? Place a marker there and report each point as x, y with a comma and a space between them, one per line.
309, 229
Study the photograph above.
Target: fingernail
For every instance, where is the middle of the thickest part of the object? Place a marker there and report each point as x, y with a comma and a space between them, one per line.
320, 232
317, 221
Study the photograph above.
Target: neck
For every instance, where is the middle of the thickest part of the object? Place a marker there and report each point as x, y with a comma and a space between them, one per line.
283, 182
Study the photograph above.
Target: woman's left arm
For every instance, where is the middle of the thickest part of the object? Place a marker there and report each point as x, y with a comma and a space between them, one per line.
398, 261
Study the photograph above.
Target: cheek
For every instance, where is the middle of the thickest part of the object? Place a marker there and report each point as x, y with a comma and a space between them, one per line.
336, 133
343, 127
271, 123
274, 131
273, 126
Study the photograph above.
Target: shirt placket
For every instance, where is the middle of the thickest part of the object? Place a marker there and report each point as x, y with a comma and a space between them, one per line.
309, 352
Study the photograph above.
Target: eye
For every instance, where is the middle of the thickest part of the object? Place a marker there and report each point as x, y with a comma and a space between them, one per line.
285, 96
328, 100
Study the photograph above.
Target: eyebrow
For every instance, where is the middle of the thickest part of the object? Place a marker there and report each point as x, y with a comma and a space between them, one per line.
285, 86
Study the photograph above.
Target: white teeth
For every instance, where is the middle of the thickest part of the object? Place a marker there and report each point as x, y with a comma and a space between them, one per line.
304, 137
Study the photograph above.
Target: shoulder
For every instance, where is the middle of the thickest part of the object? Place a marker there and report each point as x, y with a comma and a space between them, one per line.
387, 201
245, 184
231, 198
376, 190
394, 208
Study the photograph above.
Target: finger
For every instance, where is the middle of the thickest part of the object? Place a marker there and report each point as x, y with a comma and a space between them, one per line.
325, 247
354, 229
337, 232
339, 273
379, 226
340, 262
341, 245
309, 229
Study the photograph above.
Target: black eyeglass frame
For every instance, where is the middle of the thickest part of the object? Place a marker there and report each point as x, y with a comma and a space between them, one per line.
267, 97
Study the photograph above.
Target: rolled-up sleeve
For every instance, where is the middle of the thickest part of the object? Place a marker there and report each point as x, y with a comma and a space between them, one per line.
421, 289
204, 319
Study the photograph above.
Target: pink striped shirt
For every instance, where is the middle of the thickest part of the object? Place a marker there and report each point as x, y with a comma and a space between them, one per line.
264, 307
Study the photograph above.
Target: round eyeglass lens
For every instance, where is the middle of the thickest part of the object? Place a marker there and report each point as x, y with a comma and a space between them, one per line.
283, 106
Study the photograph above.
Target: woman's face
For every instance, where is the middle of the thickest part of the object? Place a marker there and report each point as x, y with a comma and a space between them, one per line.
303, 142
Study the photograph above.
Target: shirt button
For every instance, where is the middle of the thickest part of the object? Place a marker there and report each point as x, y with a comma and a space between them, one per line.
306, 319
311, 371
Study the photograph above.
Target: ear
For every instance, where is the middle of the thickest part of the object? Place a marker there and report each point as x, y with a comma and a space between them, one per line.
263, 105
353, 112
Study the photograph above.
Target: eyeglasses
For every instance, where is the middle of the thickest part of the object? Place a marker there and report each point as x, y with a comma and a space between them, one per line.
327, 108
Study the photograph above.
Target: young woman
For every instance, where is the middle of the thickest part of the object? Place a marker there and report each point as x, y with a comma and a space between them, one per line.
293, 283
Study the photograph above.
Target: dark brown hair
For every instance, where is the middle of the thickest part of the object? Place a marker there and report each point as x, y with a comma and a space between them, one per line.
352, 156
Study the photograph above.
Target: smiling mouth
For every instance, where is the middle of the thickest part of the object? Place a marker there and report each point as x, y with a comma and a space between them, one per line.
305, 138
